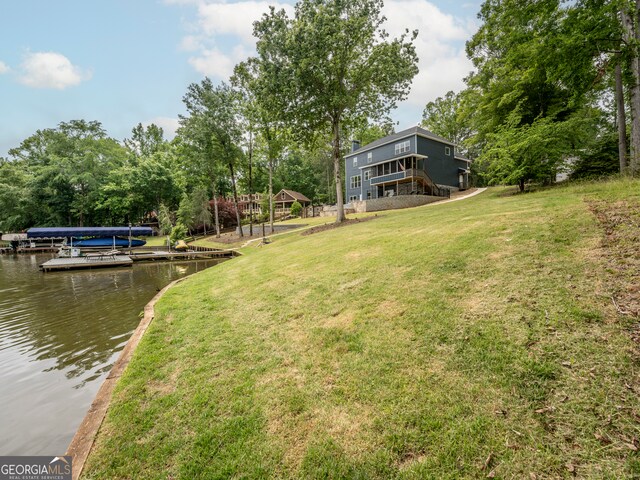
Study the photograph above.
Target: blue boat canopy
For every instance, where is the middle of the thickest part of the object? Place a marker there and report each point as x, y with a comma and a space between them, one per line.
65, 232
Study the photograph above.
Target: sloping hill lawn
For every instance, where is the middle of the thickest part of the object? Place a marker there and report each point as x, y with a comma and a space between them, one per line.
465, 340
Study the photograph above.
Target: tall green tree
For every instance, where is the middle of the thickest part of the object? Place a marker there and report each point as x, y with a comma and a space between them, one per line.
265, 105
214, 121
336, 65
444, 116
145, 141
525, 88
67, 166
368, 132
135, 189
15, 196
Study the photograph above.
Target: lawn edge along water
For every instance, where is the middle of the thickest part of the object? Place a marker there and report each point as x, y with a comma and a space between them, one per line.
85, 435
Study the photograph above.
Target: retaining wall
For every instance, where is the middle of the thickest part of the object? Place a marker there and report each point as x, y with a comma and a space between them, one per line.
391, 203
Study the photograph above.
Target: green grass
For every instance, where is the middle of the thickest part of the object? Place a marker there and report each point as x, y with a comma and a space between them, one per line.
159, 241
463, 340
210, 241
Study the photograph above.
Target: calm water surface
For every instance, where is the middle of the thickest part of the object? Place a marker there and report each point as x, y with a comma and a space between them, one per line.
59, 335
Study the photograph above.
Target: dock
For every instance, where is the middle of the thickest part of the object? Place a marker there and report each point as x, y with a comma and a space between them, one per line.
152, 254
27, 249
75, 263
188, 255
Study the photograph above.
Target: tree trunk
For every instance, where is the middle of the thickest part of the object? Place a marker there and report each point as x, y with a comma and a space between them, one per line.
216, 218
271, 193
631, 37
250, 185
337, 171
521, 185
622, 119
235, 198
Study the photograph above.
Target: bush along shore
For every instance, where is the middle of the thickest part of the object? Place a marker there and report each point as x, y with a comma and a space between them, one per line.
492, 337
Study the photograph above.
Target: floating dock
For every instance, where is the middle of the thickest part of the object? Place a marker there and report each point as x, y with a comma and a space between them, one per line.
126, 260
97, 261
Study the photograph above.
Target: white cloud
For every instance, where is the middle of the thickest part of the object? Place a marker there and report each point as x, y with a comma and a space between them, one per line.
51, 70
169, 125
234, 18
4, 68
191, 43
216, 63
440, 47
221, 36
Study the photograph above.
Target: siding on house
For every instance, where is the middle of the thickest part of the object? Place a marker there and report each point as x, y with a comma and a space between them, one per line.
442, 168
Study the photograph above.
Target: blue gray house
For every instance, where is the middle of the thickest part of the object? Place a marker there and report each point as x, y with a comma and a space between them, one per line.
412, 162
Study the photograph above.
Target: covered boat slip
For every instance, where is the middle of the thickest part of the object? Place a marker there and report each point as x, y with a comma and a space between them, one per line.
93, 237
19, 243
68, 232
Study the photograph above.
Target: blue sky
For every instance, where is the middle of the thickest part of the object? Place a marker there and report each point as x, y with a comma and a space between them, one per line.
127, 61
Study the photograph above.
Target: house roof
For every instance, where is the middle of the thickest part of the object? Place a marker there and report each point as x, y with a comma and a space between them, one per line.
294, 195
423, 132
61, 232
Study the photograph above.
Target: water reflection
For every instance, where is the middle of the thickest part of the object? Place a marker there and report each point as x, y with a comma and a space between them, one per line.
59, 335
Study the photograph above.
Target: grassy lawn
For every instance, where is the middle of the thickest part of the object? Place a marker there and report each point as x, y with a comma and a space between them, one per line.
211, 241
472, 339
159, 241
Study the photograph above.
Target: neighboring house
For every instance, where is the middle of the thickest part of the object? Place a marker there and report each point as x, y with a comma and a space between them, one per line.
412, 162
283, 200
246, 201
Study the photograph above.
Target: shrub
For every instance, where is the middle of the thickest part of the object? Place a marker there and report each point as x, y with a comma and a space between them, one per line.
296, 209
179, 232
226, 212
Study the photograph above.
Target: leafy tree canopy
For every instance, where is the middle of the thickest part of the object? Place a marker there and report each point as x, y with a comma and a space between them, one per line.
335, 66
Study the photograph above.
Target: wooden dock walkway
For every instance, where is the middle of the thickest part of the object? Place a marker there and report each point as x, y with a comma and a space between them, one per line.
152, 256
97, 261
28, 250
122, 260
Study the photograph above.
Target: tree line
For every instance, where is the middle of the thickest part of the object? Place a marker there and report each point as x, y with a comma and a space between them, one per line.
75, 175
556, 87
327, 73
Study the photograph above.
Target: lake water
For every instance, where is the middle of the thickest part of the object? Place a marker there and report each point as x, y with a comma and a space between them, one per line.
60, 333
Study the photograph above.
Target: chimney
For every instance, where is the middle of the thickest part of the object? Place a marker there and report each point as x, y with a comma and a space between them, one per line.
355, 145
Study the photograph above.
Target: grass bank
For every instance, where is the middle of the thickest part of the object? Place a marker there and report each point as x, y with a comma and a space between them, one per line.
466, 340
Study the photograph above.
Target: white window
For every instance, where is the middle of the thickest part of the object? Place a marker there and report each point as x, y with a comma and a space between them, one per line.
403, 147
356, 181
355, 161
353, 198
447, 151
367, 174
369, 157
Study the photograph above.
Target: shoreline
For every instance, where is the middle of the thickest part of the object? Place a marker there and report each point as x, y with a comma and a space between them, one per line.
85, 435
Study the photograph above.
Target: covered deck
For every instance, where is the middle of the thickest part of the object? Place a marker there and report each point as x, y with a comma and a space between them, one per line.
400, 176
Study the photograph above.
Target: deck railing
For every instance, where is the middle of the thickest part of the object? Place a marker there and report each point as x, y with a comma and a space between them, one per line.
411, 173
389, 177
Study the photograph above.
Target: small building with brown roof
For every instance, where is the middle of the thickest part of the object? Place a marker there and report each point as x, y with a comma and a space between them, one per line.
283, 200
